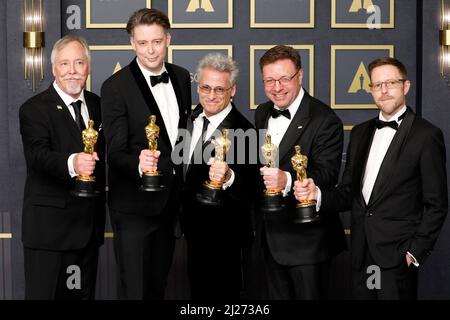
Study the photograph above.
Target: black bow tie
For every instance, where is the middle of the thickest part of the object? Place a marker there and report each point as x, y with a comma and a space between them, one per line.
381, 124
275, 113
163, 77
392, 124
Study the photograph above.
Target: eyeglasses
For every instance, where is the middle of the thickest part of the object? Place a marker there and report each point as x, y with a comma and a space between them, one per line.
390, 84
283, 80
220, 91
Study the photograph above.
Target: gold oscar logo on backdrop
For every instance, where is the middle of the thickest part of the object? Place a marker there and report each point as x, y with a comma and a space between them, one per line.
360, 81
195, 5
360, 4
117, 67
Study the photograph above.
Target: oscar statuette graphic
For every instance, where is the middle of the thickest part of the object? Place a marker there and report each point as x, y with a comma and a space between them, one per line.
305, 210
151, 179
85, 184
211, 191
273, 198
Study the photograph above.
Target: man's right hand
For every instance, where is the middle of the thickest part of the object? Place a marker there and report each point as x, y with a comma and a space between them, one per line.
84, 164
148, 160
305, 190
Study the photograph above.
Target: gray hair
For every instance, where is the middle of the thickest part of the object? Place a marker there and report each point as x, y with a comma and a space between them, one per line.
219, 62
61, 43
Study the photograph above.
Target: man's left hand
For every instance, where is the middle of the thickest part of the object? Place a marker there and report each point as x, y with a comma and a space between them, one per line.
274, 178
218, 171
409, 259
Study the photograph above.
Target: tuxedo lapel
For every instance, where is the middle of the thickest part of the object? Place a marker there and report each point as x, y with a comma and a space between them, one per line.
181, 103
93, 115
227, 123
361, 156
58, 106
390, 161
150, 100
296, 127
190, 127
187, 147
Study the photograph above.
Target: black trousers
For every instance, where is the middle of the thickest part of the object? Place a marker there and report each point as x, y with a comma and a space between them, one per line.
143, 249
302, 282
61, 275
398, 283
214, 269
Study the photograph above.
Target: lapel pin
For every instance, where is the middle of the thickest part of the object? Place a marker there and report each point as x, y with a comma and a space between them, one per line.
58, 107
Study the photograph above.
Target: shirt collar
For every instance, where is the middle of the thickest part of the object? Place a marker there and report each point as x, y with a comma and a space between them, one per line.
66, 98
395, 116
148, 73
293, 107
217, 119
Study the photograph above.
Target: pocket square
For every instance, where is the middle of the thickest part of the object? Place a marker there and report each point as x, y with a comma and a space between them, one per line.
58, 107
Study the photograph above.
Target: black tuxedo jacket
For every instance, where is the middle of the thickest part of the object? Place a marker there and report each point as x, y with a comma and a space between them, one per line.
127, 103
408, 203
230, 223
52, 218
319, 132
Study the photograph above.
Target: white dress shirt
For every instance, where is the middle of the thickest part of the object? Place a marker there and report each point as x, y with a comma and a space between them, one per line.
380, 144
84, 114
166, 100
277, 128
381, 141
167, 103
214, 122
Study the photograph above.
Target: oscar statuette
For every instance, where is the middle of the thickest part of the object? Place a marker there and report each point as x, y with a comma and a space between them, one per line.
212, 190
85, 184
272, 198
305, 210
151, 179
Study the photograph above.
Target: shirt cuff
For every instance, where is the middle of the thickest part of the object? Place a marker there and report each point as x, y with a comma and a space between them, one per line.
319, 199
140, 171
288, 187
229, 182
70, 167
415, 262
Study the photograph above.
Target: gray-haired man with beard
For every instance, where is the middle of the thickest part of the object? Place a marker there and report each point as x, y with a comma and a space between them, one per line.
61, 233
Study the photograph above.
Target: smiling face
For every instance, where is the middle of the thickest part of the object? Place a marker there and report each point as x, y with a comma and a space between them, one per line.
150, 43
282, 95
215, 82
389, 101
71, 68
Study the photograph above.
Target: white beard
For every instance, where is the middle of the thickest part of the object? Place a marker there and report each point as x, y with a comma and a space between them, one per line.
73, 89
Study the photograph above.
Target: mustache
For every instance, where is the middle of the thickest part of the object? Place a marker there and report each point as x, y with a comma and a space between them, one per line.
72, 77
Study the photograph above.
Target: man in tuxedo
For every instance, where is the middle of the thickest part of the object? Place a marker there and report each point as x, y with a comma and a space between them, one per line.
395, 184
297, 256
143, 221
61, 233
216, 234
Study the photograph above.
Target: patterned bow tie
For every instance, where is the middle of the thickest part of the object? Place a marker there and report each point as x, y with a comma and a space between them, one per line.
275, 113
163, 77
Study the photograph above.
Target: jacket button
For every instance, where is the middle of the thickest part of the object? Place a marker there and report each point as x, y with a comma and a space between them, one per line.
369, 214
